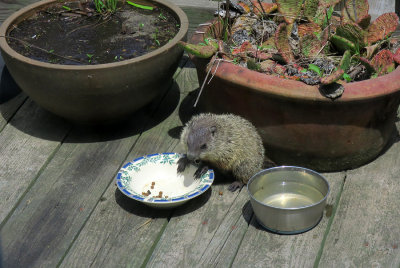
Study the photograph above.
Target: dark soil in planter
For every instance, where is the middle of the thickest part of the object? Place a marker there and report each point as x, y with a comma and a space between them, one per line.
82, 36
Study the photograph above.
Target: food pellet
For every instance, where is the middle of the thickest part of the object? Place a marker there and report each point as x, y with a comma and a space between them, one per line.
146, 193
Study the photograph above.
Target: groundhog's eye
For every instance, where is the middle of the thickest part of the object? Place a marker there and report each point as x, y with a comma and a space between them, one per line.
204, 146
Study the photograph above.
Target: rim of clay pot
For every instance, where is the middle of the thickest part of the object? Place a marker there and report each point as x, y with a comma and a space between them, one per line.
183, 20
284, 88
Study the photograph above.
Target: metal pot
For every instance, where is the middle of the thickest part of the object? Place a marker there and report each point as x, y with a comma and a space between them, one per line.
287, 199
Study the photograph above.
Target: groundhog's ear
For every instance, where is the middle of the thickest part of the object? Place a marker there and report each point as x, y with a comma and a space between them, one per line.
213, 129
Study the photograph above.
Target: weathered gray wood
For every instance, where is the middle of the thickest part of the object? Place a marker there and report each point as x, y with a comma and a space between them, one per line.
260, 248
114, 235
55, 208
26, 144
366, 230
192, 228
119, 232
225, 243
58, 204
197, 16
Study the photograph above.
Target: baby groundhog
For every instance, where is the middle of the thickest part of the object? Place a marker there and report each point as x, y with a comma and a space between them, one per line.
227, 142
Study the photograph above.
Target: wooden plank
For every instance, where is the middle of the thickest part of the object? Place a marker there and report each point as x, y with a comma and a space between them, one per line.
119, 232
114, 235
66, 192
259, 247
225, 243
11, 97
192, 228
366, 230
58, 204
197, 16
26, 145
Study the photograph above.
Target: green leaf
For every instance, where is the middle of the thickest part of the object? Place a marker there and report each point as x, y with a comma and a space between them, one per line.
315, 68
290, 9
66, 8
252, 65
310, 9
197, 50
211, 42
343, 44
347, 77
346, 61
226, 36
140, 6
333, 77
330, 12
282, 42
328, 16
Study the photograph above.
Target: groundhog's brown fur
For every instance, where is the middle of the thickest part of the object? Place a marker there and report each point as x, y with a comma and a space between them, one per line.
228, 142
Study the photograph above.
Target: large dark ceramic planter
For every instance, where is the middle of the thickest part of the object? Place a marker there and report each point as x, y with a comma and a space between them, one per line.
297, 124
94, 93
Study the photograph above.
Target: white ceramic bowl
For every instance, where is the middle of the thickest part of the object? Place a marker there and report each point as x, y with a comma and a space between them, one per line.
135, 179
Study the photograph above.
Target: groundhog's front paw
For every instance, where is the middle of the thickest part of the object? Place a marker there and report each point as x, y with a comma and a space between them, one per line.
201, 171
235, 185
182, 163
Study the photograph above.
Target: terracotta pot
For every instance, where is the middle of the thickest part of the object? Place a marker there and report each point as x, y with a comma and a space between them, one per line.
298, 125
94, 93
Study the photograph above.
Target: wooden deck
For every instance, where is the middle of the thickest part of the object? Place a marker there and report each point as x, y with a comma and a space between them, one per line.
59, 205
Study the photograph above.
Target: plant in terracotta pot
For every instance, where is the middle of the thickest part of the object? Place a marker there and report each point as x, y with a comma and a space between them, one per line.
321, 86
93, 62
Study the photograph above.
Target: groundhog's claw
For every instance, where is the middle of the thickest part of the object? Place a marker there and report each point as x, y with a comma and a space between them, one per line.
182, 163
200, 171
235, 185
